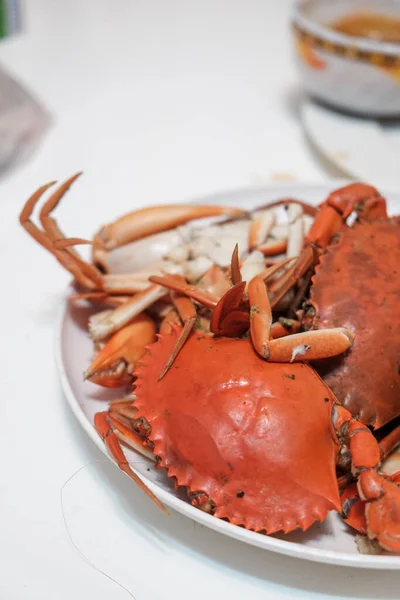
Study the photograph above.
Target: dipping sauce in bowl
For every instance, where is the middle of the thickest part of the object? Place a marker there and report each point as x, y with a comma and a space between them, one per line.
348, 54
373, 26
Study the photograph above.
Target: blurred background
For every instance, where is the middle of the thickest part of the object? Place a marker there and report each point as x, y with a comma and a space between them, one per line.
171, 99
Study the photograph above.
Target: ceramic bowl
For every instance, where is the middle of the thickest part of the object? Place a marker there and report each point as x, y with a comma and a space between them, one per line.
354, 74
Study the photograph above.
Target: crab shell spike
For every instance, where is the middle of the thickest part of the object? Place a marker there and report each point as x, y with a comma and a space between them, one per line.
147, 221
114, 364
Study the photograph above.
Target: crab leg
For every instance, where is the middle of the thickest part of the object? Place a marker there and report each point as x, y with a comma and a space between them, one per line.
305, 261
100, 328
386, 446
101, 298
339, 205
106, 430
170, 318
147, 221
178, 284
66, 259
275, 268
114, 364
49, 224
380, 492
187, 312
123, 406
273, 247
260, 315
284, 327
125, 433
84, 273
390, 442
308, 345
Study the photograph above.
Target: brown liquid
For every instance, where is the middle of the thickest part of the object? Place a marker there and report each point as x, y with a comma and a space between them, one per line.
369, 25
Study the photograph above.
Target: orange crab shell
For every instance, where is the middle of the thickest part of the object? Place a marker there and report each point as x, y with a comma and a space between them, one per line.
256, 437
357, 286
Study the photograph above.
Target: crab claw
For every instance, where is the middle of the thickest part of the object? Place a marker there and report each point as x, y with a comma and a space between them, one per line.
383, 515
147, 221
353, 509
114, 364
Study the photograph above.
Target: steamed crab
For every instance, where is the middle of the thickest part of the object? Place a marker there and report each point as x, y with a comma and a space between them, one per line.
256, 443
249, 417
154, 241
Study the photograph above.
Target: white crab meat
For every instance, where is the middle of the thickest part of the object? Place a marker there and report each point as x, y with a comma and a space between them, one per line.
261, 227
295, 230
208, 231
137, 255
194, 269
200, 246
280, 231
178, 253
253, 265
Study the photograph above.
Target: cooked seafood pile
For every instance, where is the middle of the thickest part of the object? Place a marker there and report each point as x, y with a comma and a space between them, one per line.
259, 351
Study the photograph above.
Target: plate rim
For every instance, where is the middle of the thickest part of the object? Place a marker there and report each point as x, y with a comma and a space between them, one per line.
284, 547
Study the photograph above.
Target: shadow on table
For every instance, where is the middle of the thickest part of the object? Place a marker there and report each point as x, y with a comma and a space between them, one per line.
308, 576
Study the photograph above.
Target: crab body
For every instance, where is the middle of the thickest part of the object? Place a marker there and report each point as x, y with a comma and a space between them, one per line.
244, 439
357, 285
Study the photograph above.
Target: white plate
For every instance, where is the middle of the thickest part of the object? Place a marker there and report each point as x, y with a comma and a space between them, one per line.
362, 148
328, 542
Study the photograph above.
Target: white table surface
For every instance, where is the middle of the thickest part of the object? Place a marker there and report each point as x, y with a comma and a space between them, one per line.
156, 101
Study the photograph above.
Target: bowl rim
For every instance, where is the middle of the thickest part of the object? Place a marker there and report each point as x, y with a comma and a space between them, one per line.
319, 30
